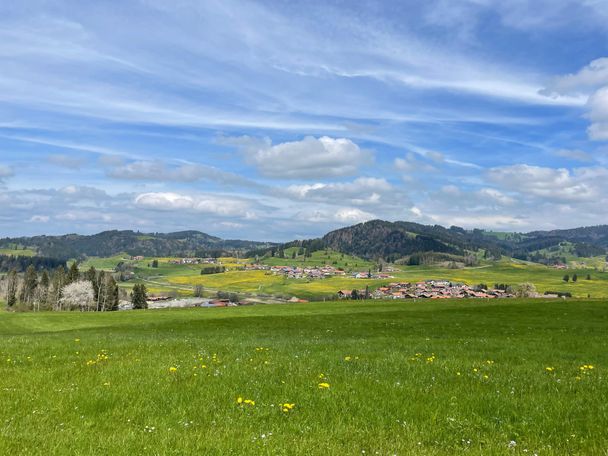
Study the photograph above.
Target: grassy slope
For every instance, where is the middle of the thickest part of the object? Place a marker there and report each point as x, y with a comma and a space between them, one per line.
379, 401
321, 258
18, 252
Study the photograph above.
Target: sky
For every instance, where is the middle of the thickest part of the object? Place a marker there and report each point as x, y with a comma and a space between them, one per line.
281, 120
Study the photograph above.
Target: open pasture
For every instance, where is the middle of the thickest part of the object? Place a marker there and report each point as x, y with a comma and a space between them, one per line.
455, 377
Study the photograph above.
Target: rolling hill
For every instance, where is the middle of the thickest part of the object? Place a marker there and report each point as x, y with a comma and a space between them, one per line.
109, 243
373, 240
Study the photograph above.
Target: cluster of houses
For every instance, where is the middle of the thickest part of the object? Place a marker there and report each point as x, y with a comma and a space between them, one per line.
371, 275
296, 272
194, 261
316, 272
430, 289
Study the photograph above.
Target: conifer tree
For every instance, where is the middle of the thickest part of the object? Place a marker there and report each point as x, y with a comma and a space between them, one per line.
73, 274
43, 289
139, 296
112, 297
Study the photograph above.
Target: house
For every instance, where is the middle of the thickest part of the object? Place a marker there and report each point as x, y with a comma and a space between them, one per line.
345, 294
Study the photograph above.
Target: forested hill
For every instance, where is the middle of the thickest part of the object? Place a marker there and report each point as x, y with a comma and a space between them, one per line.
108, 243
391, 240
371, 240
394, 240
378, 239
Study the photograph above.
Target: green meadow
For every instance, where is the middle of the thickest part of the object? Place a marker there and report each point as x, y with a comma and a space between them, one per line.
17, 252
321, 258
429, 378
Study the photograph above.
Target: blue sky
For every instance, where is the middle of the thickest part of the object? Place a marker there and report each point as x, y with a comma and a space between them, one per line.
274, 120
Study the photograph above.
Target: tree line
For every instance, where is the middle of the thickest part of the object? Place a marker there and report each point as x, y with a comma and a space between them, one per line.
20, 263
61, 289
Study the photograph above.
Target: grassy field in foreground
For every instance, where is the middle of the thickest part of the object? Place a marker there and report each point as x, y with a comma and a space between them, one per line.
375, 377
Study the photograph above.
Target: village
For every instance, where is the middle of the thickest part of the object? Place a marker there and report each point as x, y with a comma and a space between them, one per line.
315, 272
430, 289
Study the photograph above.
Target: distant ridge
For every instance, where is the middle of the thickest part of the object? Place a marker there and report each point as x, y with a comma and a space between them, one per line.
109, 243
375, 239
390, 240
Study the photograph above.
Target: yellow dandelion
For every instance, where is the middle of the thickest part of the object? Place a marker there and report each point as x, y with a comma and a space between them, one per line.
347, 358
239, 400
287, 407
549, 369
173, 369
324, 385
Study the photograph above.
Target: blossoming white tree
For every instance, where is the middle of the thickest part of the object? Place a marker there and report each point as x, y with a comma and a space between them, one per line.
78, 296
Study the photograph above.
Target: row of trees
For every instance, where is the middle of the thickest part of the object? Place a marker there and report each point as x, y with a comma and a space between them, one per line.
20, 263
61, 289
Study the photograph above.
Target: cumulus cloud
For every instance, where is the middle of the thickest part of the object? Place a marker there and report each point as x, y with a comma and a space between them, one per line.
598, 113
586, 80
414, 163
209, 204
362, 191
344, 215
482, 198
591, 81
549, 183
309, 158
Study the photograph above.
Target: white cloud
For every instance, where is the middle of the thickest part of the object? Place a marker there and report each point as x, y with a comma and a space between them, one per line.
495, 196
160, 171
210, 204
598, 113
344, 215
309, 158
586, 80
361, 191
413, 163
591, 81
549, 183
